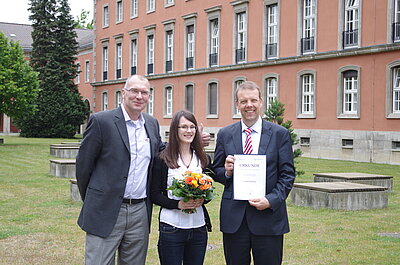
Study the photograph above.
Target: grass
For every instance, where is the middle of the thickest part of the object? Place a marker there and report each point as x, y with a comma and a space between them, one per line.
38, 219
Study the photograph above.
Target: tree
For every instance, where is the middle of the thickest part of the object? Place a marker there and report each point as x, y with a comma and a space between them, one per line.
60, 106
82, 22
275, 114
19, 85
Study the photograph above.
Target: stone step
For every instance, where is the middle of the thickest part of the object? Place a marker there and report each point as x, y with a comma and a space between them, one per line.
63, 168
64, 150
355, 177
339, 195
75, 195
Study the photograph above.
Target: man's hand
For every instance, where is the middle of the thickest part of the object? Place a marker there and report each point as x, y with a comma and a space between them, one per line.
260, 203
205, 136
229, 161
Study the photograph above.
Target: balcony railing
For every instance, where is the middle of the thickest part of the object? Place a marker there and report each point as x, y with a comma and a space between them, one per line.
240, 55
271, 50
119, 73
189, 63
105, 75
213, 59
396, 31
307, 45
150, 68
133, 70
168, 66
350, 38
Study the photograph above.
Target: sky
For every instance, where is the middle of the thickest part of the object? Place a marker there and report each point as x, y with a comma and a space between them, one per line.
16, 11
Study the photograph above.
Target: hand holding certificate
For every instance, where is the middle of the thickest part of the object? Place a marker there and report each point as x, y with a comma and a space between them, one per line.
249, 176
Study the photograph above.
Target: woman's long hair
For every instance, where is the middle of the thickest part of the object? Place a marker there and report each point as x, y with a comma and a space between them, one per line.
171, 153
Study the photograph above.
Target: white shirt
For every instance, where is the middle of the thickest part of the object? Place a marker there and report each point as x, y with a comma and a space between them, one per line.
176, 217
139, 145
255, 135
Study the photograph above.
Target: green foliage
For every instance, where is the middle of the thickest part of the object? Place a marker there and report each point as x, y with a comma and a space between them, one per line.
82, 22
275, 114
18, 82
60, 106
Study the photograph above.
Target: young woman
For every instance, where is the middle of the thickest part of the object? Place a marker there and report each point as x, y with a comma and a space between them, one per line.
182, 236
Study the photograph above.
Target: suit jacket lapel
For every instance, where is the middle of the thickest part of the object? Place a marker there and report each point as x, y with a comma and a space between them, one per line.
121, 126
149, 126
265, 137
237, 137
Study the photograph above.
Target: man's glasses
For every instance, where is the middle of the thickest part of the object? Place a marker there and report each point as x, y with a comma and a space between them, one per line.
185, 127
136, 92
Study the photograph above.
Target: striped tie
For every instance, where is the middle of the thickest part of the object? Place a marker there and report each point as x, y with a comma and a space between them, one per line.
248, 146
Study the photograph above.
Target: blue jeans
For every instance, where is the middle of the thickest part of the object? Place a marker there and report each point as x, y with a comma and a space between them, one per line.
177, 245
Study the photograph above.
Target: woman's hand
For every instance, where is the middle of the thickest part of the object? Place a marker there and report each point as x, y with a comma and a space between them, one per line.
191, 204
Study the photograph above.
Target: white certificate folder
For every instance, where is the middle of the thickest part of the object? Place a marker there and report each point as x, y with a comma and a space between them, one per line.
249, 176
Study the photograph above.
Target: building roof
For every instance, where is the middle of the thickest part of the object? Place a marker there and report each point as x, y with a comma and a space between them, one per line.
22, 33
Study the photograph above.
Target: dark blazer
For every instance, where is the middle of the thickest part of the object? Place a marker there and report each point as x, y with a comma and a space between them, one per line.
158, 191
102, 167
276, 144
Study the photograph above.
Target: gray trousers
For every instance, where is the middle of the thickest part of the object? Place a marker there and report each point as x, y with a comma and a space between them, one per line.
130, 237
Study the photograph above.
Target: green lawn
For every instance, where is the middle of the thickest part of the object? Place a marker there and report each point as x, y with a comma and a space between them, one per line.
38, 219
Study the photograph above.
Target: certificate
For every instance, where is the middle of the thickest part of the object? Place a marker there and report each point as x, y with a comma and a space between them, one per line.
249, 176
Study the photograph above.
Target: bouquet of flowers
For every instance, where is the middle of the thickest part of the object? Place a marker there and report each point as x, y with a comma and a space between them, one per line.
192, 186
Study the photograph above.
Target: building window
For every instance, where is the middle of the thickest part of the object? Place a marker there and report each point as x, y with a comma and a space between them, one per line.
396, 145
133, 56
87, 71
306, 93
189, 98
351, 24
78, 74
105, 63
168, 97
150, 104
118, 62
349, 93
105, 16
151, 6
104, 101
236, 84
308, 31
347, 143
305, 141
190, 39
396, 90
150, 54
212, 100
169, 3
120, 12
134, 8
169, 40
214, 42
396, 22
271, 49
241, 37
118, 99
271, 91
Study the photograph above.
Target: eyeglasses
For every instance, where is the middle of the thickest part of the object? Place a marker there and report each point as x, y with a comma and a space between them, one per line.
185, 127
136, 92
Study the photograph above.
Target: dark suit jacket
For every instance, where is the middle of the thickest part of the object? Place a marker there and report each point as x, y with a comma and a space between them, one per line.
102, 167
276, 144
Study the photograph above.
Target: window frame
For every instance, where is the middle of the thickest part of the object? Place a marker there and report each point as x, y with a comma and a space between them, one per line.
390, 90
307, 26
87, 71
301, 113
106, 16
271, 30
213, 35
78, 73
118, 59
240, 46
186, 107
341, 113
118, 98
168, 101
133, 59
104, 100
265, 91
236, 83
344, 25
134, 8
119, 11
104, 63
150, 104
151, 6
210, 98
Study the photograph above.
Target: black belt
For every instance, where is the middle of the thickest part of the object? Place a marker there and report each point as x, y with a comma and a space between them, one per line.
133, 201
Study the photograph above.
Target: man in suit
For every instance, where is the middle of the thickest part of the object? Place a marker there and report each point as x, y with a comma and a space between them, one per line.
256, 225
